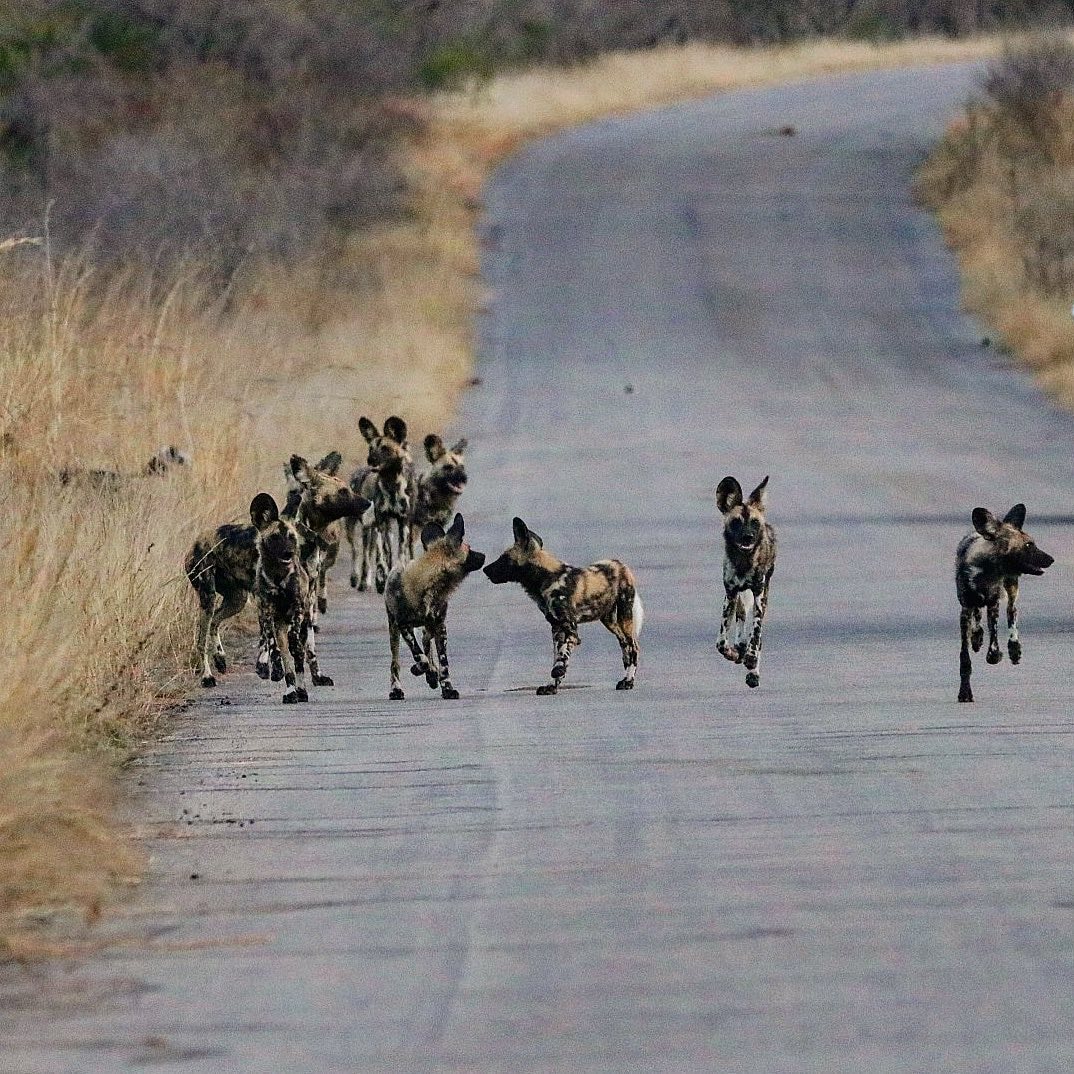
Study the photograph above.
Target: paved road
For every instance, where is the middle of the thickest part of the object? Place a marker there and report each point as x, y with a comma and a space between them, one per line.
842, 871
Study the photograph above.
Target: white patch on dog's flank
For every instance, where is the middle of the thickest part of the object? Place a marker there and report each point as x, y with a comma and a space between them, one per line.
639, 616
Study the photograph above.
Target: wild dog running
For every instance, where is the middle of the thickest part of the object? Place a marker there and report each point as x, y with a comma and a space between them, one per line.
988, 564
416, 596
568, 596
749, 560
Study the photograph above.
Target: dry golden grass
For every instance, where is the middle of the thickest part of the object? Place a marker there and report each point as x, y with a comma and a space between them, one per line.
1005, 210
99, 616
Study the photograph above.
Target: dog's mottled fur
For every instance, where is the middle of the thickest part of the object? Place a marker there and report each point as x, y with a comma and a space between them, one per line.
567, 596
749, 560
282, 589
439, 488
988, 564
166, 458
388, 481
416, 595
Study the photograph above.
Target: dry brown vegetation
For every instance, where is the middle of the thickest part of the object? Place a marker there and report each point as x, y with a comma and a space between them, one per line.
280, 359
1000, 183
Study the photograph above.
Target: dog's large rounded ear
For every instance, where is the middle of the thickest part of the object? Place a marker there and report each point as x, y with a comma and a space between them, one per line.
395, 429
984, 522
433, 531
759, 496
728, 495
434, 447
301, 469
330, 464
367, 429
459, 447
263, 511
1016, 516
457, 530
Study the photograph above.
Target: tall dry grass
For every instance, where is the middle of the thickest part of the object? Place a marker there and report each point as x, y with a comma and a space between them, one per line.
1000, 183
99, 617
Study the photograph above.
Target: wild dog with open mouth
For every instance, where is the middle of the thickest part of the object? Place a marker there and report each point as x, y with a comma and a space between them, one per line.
749, 560
416, 595
567, 596
438, 490
282, 589
387, 480
166, 458
988, 564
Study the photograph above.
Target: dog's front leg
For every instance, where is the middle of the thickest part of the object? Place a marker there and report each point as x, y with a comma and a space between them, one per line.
396, 693
292, 693
725, 646
965, 664
421, 665
439, 631
562, 637
994, 655
1014, 644
752, 658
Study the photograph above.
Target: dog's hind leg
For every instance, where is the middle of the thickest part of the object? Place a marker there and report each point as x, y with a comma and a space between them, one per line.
965, 665
421, 665
1014, 644
233, 602
976, 630
311, 657
432, 668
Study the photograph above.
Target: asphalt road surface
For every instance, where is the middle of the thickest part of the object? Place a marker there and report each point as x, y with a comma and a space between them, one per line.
844, 870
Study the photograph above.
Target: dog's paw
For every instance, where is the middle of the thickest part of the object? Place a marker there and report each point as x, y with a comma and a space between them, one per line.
396, 694
730, 652
291, 697
548, 688
354, 581
625, 684
432, 679
220, 662
262, 669
418, 669
977, 639
208, 681
994, 656
1014, 649
323, 680
449, 693
965, 693
301, 694
559, 670
753, 680
749, 661
322, 606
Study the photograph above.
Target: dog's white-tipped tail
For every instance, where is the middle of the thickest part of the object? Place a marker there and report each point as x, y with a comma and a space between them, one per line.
639, 615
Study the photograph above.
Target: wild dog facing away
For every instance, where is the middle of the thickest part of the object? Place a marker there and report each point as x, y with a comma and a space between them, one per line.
416, 595
749, 560
568, 596
388, 481
439, 488
988, 564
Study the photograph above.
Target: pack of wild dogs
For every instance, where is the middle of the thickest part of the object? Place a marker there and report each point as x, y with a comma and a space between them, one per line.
386, 507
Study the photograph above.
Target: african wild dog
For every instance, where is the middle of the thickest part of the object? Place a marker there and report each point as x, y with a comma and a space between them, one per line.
749, 560
439, 489
988, 564
416, 595
568, 596
282, 589
388, 481
166, 458
321, 502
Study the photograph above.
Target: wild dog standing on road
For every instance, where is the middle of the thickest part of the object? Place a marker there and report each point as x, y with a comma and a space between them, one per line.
749, 560
988, 564
438, 490
568, 596
221, 566
320, 501
388, 481
416, 595
282, 590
